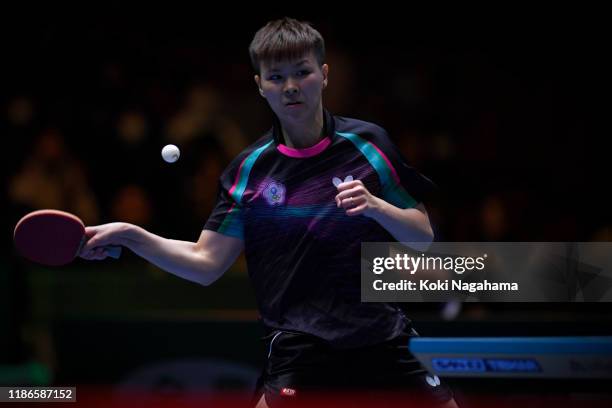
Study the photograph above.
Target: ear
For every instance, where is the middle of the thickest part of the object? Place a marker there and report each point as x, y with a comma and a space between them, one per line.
325, 71
258, 82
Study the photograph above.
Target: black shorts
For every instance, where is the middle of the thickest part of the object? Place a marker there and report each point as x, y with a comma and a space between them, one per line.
301, 366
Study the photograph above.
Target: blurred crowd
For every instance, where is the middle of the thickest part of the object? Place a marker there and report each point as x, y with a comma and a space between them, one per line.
112, 169
506, 144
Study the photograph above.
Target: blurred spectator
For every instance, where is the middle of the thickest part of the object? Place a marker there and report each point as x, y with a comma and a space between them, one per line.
51, 178
132, 204
19, 128
202, 117
127, 176
494, 219
197, 116
132, 128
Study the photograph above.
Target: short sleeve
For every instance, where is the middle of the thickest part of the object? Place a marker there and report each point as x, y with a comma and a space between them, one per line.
227, 215
402, 185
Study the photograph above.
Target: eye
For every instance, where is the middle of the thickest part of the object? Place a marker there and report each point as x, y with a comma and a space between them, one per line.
274, 77
303, 73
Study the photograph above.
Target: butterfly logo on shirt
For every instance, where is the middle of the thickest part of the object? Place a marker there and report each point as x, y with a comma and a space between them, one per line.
337, 181
274, 193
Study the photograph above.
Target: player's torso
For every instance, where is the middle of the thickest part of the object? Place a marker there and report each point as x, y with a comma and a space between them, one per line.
303, 252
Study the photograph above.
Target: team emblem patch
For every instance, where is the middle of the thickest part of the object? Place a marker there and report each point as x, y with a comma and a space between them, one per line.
274, 193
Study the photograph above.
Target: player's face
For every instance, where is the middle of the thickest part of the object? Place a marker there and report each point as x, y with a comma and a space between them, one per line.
293, 88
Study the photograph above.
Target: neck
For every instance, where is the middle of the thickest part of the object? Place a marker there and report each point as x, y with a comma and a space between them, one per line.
303, 135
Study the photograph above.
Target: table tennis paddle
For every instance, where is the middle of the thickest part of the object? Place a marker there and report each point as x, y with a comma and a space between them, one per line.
52, 237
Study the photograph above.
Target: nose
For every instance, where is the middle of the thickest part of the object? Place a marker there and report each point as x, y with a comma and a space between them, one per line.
291, 87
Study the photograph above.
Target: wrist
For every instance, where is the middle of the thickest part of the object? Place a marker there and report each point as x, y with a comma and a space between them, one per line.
377, 209
126, 233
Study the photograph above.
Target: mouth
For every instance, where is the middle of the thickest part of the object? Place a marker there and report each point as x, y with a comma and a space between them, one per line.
293, 104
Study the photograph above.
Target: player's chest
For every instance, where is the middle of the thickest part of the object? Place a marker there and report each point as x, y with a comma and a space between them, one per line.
304, 186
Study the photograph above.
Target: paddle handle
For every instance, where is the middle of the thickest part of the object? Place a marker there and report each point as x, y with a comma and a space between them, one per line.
113, 251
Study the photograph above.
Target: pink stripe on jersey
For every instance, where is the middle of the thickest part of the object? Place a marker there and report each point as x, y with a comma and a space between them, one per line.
386, 159
231, 191
307, 152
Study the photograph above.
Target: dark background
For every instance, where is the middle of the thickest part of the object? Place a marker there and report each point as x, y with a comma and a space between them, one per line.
501, 108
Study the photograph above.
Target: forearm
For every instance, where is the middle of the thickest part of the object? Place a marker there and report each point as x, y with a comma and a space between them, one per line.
180, 258
406, 225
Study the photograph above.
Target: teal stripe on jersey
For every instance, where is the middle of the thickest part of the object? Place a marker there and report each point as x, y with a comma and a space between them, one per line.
393, 192
232, 224
238, 189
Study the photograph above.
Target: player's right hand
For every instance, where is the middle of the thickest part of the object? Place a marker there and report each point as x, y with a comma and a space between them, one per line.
100, 236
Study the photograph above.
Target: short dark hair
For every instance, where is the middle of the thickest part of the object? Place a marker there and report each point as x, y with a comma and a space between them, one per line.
285, 39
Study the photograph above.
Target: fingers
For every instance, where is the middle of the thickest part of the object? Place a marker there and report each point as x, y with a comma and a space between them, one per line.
93, 249
95, 254
351, 202
90, 231
353, 196
101, 253
355, 192
92, 237
97, 239
91, 245
358, 210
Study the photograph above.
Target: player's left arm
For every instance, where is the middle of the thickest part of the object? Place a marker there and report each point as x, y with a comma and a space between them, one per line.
405, 224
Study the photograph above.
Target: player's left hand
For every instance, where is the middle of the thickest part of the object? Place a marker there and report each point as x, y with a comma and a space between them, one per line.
356, 199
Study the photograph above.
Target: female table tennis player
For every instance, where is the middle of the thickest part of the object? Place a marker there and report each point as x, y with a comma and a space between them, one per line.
299, 201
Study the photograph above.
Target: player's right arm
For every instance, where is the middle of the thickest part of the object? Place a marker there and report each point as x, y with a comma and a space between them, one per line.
202, 262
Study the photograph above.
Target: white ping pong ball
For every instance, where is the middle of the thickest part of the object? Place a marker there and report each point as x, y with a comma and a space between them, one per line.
170, 153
